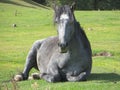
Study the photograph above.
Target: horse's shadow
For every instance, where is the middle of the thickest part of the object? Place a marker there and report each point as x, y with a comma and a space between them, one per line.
105, 77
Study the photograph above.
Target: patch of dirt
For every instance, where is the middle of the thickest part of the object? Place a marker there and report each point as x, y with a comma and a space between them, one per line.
103, 53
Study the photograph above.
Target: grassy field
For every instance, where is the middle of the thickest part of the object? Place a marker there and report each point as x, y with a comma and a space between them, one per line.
33, 23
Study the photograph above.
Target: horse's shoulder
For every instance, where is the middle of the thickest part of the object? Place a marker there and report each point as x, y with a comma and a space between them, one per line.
49, 44
51, 38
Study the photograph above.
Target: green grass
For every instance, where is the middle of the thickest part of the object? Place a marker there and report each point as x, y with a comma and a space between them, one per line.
33, 23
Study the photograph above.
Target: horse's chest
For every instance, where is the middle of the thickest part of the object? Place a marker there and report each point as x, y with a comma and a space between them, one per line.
71, 65
73, 69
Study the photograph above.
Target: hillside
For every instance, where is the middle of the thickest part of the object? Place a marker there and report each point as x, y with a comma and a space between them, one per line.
24, 3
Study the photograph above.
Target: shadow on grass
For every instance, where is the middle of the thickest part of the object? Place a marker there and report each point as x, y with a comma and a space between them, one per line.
106, 77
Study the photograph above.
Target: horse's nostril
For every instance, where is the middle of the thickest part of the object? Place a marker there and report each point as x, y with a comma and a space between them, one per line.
60, 45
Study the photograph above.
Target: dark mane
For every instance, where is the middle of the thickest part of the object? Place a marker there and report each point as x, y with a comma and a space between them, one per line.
82, 34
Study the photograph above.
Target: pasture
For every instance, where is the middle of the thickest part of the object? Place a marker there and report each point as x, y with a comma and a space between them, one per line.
33, 23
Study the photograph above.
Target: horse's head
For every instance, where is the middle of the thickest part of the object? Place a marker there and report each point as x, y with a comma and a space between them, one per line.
64, 18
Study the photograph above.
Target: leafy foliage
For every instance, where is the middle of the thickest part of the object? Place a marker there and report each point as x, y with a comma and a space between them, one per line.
85, 4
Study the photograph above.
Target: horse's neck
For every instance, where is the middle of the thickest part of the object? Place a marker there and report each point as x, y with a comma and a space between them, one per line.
77, 33
80, 39
76, 41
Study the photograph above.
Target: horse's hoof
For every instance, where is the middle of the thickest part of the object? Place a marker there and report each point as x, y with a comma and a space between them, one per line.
35, 76
18, 78
30, 78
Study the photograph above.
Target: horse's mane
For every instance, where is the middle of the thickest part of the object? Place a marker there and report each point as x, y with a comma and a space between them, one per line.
81, 33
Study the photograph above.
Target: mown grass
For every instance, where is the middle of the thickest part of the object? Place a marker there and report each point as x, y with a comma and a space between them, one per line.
101, 27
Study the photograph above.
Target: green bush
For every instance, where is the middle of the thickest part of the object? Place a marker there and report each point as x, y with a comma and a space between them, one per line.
85, 4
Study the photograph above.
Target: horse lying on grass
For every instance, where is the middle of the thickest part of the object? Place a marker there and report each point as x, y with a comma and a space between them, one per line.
66, 57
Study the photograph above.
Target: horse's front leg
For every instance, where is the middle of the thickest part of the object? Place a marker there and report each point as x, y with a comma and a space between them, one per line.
30, 62
52, 74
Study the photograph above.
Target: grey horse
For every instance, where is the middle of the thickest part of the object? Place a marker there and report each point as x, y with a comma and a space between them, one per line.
65, 57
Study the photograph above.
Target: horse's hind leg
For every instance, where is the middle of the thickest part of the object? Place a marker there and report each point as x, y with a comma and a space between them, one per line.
81, 77
30, 61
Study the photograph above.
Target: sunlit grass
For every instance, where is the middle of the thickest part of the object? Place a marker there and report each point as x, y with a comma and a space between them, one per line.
101, 27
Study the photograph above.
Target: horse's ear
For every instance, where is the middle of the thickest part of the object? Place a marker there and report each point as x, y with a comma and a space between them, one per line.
73, 6
55, 7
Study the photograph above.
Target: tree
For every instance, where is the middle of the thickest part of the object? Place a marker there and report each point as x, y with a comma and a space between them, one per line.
40, 1
85, 4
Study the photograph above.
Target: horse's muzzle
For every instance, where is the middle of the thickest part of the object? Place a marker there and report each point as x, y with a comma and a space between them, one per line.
63, 47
